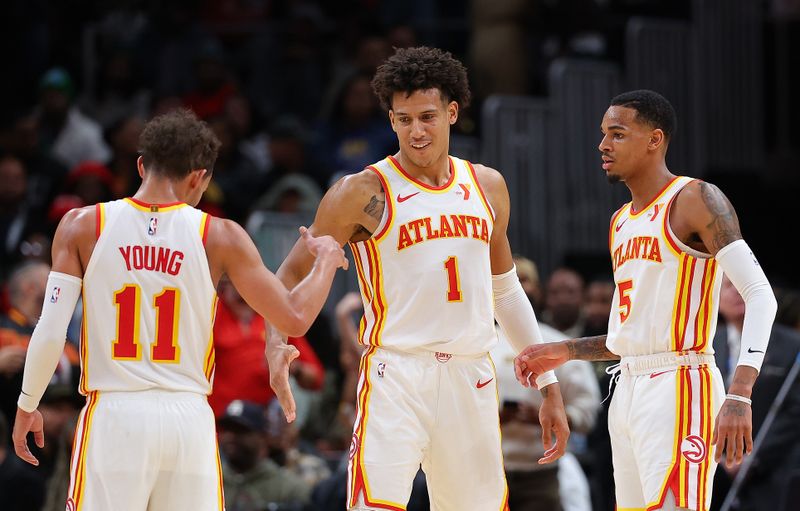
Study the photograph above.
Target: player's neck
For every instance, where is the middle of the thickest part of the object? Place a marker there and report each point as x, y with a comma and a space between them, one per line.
155, 190
436, 174
646, 185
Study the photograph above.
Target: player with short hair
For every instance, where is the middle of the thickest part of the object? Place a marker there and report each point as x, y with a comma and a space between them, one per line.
147, 268
669, 247
428, 235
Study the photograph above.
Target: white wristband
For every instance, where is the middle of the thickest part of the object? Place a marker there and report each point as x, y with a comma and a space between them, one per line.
737, 397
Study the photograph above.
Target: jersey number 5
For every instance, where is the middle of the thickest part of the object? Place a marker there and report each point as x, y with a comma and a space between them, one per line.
127, 346
624, 289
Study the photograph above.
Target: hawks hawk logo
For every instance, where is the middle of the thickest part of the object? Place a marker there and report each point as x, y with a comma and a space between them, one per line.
353, 446
694, 449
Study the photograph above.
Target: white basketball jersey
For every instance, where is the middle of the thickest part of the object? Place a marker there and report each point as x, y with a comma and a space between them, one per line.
667, 294
425, 274
148, 300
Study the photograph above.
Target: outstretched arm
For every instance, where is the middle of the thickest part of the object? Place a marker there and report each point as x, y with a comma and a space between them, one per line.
535, 360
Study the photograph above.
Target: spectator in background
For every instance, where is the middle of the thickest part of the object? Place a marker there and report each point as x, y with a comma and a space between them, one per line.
597, 306
528, 275
532, 486
16, 217
354, 134
239, 344
69, 135
766, 485
564, 302
123, 137
21, 487
253, 482
91, 182
26, 293
213, 82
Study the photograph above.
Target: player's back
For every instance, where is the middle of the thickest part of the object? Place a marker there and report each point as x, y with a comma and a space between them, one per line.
148, 300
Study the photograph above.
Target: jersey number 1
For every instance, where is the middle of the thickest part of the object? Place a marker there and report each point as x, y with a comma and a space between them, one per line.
127, 346
453, 282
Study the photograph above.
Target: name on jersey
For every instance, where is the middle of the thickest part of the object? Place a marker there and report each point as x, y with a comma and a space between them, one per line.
163, 259
446, 226
639, 247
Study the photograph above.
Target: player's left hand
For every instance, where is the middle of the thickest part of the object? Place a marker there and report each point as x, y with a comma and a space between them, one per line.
733, 432
28, 422
553, 419
279, 358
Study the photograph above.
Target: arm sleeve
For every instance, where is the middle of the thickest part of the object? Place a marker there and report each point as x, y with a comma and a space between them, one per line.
741, 266
49, 336
515, 315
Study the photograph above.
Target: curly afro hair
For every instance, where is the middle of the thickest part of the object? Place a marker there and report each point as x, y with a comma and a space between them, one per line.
421, 68
176, 143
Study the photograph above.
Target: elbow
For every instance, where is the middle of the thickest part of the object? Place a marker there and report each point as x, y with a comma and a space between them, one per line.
297, 324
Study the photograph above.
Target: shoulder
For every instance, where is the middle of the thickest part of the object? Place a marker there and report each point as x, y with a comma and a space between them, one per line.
361, 184
79, 222
491, 180
701, 194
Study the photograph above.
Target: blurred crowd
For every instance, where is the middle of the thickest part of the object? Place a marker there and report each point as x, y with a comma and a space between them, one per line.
285, 86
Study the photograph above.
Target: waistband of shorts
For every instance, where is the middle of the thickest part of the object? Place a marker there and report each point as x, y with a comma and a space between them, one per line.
151, 394
438, 356
646, 364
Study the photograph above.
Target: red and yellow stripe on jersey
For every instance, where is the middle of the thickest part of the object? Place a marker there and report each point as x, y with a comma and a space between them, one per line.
688, 476
368, 268
79, 447
358, 483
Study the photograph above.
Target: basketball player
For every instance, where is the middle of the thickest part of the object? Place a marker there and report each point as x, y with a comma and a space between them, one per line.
428, 235
147, 268
669, 247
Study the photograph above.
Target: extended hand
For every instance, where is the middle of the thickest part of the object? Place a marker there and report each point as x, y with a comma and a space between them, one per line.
537, 359
324, 246
23, 424
553, 419
733, 432
279, 358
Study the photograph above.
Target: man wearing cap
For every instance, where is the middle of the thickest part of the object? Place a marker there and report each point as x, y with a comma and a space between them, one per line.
252, 481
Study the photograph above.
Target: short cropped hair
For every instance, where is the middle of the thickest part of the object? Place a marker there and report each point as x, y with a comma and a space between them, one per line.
176, 143
651, 108
421, 68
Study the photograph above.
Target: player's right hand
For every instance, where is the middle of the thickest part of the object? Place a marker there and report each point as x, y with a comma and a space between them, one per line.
28, 423
279, 358
324, 246
537, 359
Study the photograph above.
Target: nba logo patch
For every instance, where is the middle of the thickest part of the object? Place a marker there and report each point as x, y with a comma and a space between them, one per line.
381, 369
55, 294
152, 226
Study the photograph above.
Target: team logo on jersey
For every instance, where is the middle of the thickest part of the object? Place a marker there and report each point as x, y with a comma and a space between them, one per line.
381, 368
443, 357
55, 294
70, 505
152, 226
464, 187
694, 449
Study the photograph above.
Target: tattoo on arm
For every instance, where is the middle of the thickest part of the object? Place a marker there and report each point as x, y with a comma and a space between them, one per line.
733, 409
590, 348
375, 207
544, 391
724, 224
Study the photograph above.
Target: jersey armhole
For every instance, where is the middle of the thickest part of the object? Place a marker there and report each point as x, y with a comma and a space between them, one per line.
99, 219
205, 223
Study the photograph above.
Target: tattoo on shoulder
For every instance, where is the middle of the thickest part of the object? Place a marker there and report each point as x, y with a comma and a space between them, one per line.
590, 348
724, 224
375, 207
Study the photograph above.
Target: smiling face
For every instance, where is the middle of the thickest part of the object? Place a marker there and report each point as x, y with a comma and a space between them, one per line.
628, 144
422, 122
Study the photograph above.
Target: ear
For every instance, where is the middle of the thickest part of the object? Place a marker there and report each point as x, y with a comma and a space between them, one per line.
140, 166
657, 139
452, 112
197, 177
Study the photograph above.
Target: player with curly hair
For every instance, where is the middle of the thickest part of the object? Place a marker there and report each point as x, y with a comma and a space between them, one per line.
428, 235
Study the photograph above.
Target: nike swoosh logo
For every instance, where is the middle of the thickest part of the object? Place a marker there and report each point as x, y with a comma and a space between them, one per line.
653, 375
619, 225
482, 384
403, 199
751, 350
